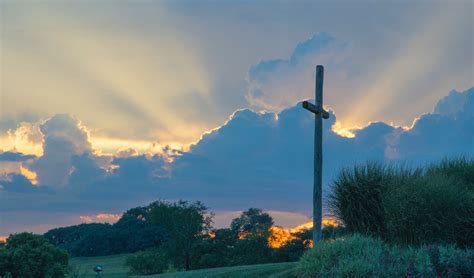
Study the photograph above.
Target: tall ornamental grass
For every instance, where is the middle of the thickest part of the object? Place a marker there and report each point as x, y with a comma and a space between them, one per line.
408, 206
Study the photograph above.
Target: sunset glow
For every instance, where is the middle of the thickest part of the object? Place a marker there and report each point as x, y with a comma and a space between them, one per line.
280, 236
32, 176
110, 105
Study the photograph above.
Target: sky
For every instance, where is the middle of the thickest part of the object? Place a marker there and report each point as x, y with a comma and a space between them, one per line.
106, 105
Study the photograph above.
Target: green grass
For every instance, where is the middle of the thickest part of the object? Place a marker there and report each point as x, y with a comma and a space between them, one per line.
114, 267
260, 270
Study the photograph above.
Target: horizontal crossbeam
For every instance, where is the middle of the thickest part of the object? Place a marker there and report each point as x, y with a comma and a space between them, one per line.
315, 109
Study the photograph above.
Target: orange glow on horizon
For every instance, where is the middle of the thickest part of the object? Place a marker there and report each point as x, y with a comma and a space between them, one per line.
280, 236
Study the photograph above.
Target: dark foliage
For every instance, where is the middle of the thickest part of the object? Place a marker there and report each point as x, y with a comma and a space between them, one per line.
254, 222
362, 256
185, 223
129, 234
246, 242
214, 250
27, 255
420, 206
148, 262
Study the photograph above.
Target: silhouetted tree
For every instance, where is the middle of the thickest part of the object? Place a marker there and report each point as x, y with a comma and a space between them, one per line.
185, 222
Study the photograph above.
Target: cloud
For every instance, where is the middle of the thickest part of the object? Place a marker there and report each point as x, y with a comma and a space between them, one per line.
14, 156
78, 67
24, 137
455, 103
64, 137
448, 131
256, 159
16, 183
275, 84
265, 159
100, 218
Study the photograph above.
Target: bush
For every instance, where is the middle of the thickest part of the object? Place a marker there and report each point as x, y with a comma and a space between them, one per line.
432, 209
357, 197
148, 262
454, 262
355, 256
28, 255
361, 256
399, 205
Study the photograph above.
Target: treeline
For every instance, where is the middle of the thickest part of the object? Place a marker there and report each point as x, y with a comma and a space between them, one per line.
193, 244
180, 235
129, 234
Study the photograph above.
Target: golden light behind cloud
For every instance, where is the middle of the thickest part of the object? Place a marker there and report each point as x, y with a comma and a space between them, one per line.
30, 175
123, 83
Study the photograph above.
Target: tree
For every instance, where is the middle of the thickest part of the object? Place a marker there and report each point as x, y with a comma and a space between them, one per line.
28, 255
251, 231
214, 250
253, 222
185, 223
130, 234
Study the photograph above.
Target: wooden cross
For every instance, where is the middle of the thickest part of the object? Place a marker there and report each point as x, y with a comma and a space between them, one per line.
319, 115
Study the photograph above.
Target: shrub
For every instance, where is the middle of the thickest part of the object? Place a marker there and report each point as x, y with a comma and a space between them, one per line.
357, 197
361, 256
399, 205
432, 209
148, 262
355, 256
454, 262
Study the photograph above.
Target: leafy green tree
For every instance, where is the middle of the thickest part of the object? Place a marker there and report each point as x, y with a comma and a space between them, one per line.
27, 255
186, 223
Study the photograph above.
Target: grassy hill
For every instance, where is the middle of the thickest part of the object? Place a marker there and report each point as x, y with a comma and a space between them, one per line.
114, 267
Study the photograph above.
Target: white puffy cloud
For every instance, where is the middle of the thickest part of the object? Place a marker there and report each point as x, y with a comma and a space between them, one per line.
279, 83
64, 137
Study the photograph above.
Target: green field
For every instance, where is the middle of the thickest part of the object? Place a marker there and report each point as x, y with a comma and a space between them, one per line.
279, 270
114, 267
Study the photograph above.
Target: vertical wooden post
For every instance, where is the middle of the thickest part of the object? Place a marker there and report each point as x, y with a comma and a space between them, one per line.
318, 156
319, 115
